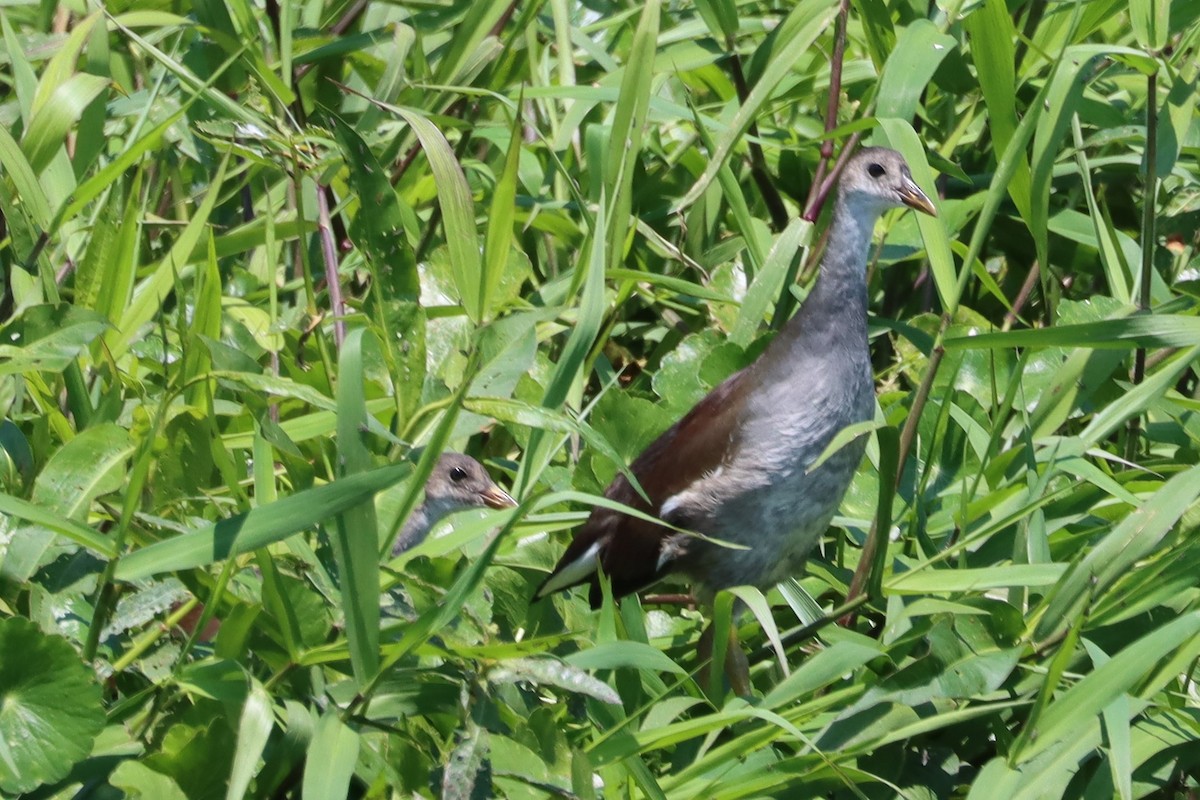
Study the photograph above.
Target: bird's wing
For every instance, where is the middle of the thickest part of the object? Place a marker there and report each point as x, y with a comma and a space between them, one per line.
626, 548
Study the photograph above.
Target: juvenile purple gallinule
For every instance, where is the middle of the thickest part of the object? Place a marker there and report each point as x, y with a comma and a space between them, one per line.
738, 466
457, 482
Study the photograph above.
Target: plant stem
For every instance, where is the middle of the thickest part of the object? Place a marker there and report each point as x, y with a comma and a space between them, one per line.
1148, 237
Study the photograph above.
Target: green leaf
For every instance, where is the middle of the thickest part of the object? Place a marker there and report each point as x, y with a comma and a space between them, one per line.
1117, 552
498, 239
153, 291
794, 38
82, 535
1125, 672
625, 138
330, 761
468, 37
1151, 20
467, 773
91, 464
919, 50
626, 654
48, 338
993, 40
458, 210
1117, 268
51, 710
140, 781
974, 580
254, 730
355, 539
550, 672
826, 666
769, 280
572, 362
259, 527
378, 227
1126, 333
720, 16
24, 177
50, 124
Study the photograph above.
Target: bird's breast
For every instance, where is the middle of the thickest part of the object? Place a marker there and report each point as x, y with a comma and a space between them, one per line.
773, 497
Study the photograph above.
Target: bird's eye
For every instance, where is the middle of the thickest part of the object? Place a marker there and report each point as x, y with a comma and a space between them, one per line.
876, 170
458, 474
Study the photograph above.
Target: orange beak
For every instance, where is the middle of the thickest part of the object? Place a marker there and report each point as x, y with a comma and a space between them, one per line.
912, 196
495, 497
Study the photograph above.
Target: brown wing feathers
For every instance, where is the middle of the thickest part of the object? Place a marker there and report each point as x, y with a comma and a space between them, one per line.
629, 548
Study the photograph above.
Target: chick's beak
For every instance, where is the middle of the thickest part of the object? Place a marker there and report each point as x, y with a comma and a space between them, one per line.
495, 497
912, 196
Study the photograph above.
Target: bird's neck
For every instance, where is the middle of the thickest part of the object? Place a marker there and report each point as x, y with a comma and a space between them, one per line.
423, 519
850, 233
415, 529
835, 311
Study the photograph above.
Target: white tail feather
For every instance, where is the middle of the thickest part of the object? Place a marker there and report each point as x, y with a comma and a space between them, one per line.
577, 571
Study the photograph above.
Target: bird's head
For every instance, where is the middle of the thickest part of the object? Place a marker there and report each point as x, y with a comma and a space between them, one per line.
876, 179
459, 482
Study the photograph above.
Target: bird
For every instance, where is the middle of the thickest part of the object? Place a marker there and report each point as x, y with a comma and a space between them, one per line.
457, 482
739, 467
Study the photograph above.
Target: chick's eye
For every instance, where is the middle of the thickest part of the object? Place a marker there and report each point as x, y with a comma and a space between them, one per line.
458, 474
875, 170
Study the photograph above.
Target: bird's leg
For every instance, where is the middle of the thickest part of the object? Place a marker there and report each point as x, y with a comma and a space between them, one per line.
737, 666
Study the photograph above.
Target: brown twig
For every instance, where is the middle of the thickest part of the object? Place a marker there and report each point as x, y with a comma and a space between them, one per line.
820, 188
332, 281
811, 213
1031, 280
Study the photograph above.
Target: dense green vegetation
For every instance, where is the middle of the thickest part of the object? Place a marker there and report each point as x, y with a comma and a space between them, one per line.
263, 262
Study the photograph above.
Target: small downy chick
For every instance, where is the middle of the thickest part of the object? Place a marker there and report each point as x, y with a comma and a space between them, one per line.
456, 483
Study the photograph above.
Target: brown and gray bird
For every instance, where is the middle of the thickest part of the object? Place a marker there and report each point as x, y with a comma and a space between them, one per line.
739, 466
457, 482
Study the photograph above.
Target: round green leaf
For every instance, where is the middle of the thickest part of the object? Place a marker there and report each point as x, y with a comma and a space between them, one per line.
50, 708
